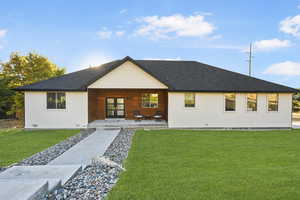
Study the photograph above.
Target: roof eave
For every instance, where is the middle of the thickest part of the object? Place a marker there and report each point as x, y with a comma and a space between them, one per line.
48, 89
236, 91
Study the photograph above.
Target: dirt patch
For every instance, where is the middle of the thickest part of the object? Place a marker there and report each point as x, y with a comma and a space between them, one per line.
11, 123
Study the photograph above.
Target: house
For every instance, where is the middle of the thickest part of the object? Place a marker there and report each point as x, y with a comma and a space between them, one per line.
187, 94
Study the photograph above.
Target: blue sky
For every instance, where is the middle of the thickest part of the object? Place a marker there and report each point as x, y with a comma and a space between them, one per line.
76, 34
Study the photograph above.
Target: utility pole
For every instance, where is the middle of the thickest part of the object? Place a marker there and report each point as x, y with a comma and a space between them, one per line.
250, 59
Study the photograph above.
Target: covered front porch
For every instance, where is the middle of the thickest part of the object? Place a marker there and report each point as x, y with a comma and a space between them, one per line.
122, 106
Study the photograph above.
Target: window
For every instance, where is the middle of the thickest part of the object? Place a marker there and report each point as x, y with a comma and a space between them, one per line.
272, 102
189, 100
56, 100
230, 102
251, 102
150, 100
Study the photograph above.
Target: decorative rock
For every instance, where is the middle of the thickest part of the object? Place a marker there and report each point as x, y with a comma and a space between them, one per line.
102, 160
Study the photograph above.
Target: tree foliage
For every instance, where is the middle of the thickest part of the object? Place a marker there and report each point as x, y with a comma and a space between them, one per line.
5, 96
296, 102
22, 70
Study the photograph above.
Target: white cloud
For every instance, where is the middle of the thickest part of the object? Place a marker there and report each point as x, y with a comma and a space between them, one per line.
104, 34
2, 32
120, 33
288, 68
95, 59
175, 26
177, 58
291, 25
108, 34
123, 11
266, 45
298, 6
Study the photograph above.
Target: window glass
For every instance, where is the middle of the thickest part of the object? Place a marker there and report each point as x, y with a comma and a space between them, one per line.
189, 100
251, 102
61, 100
150, 100
51, 104
272, 102
56, 100
230, 102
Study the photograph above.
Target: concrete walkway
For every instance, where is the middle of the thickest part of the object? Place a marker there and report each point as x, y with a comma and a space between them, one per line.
83, 152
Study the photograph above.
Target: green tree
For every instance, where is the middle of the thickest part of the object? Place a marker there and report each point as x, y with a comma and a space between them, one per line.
23, 70
5, 96
296, 102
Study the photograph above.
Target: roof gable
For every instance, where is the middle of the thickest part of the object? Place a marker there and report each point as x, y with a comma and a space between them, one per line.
128, 75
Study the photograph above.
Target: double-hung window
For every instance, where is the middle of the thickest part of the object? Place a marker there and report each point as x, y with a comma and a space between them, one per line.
56, 100
230, 102
189, 100
272, 102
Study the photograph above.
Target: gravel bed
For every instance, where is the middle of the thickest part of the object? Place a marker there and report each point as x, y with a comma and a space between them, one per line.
97, 179
44, 157
118, 149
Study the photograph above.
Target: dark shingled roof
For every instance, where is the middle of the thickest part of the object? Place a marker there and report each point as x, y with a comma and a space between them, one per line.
177, 75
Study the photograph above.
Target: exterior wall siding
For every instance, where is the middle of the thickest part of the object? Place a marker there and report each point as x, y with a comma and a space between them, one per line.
97, 101
210, 113
38, 116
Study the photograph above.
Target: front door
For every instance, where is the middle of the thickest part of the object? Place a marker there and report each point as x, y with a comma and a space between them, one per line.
115, 107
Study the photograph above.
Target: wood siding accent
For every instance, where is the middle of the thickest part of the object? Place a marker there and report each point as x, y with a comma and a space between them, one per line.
133, 101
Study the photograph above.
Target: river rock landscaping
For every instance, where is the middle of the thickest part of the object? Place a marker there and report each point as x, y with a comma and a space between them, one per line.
97, 179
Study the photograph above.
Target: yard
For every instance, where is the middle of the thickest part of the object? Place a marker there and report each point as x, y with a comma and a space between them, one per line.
16, 144
186, 164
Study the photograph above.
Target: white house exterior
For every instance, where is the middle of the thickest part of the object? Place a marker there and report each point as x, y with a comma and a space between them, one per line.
38, 116
181, 96
209, 112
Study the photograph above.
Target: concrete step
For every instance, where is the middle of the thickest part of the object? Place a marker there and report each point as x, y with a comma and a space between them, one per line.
55, 174
20, 189
35, 178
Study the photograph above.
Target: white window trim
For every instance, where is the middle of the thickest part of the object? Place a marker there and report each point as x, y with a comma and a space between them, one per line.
267, 103
56, 109
224, 103
251, 111
195, 105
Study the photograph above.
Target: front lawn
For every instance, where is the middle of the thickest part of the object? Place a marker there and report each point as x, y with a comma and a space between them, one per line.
15, 144
218, 165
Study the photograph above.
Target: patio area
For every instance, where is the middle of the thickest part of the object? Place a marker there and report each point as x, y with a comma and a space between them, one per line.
122, 123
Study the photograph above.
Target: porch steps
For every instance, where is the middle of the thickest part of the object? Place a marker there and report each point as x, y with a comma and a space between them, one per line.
33, 182
133, 124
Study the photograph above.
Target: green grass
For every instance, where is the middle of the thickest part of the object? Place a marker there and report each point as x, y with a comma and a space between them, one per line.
211, 165
16, 144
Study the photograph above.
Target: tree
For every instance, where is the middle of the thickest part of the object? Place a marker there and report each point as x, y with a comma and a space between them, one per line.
22, 70
5, 96
296, 102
